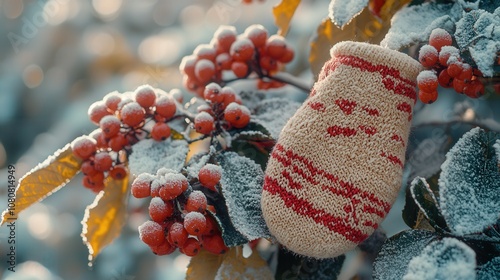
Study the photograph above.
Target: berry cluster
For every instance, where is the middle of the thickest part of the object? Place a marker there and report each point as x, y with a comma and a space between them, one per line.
445, 68
231, 56
223, 110
179, 214
123, 120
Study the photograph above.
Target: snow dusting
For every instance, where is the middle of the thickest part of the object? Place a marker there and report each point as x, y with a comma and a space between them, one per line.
203, 117
341, 12
274, 113
225, 31
242, 182
427, 50
194, 217
195, 165
414, 24
490, 270
83, 142
393, 259
131, 108
149, 155
448, 258
204, 64
157, 204
426, 76
451, 52
469, 185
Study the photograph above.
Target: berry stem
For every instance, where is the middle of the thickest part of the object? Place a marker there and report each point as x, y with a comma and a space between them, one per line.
287, 78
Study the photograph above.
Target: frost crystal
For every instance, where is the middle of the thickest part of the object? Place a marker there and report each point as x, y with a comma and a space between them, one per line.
341, 12
274, 113
469, 185
149, 155
448, 258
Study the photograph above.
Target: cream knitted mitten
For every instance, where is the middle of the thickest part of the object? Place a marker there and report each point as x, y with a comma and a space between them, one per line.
337, 167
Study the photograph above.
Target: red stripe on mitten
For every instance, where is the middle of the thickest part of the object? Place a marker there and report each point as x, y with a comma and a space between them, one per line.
337, 167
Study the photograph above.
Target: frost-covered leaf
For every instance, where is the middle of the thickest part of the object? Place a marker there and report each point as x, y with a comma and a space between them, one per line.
196, 163
43, 180
363, 28
230, 235
477, 32
105, 217
489, 5
149, 155
414, 24
490, 270
204, 265
427, 202
448, 258
393, 259
426, 159
236, 266
469, 185
283, 13
241, 182
341, 12
390, 7
274, 113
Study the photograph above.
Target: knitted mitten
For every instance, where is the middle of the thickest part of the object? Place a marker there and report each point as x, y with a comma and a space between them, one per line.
337, 167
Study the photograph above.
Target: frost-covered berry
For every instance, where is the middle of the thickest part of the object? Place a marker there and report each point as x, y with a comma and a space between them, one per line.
84, 146
187, 65
141, 187
440, 38
197, 201
191, 247
240, 69
132, 114
118, 172
212, 93
257, 34
427, 81
225, 35
214, 244
111, 100
428, 97
165, 107
237, 115
160, 210
195, 223
447, 52
205, 51
210, 175
204, 123
174, 185
145, 96
103, 161
276, 46
110, 126
204, 70
177, 234
160, 131
97, 111
151, 233
428, 56
242, 50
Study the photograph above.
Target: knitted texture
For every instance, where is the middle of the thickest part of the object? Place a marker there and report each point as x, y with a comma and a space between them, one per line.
337, 167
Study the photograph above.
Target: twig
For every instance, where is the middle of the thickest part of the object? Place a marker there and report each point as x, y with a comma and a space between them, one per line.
291, 80
492, 127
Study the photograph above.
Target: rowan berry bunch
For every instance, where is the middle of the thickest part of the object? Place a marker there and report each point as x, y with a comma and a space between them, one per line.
445, 67
123, 120
181, 215
223, 111
230, 56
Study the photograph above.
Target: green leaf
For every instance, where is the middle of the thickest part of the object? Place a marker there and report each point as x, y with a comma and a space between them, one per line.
241, 183
469, 185
427, 203
293, 266
444, 259
393, 259
43, 180
230, 235
105, 217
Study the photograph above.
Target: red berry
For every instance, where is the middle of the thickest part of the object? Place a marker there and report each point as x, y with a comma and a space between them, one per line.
242, 50
100, 138
427, 97
145, 96
257, 34
177, 234
110, 126
205, 51
197, 201
268, 63
103, 161
163, 249
132, 114
214, 244
209, 175
160, 210
466, 73
444, 79
229, 96
440, 38
458, 85
237, 115
97, 111
151, 233
84, 146
204, 123
455, 69
187, 65
276, 46
223, 61
88, 168
225, 36
141, 187
474, 89
427, 81
240, 69
118, 142
212, 227
195, 223
118, 172
204, 70
211, 93
165, 107
160, 131
288, 55
428, 56
191, 247
446, 53
112, 100
174, 185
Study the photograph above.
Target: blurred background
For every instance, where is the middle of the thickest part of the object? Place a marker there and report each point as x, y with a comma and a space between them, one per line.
59, 56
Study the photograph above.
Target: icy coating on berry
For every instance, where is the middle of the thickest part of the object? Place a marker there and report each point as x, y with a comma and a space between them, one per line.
440, 33
233, 107
198, 196
276, 40
144, 178
203, 117
240, 44
83, 142
213, 169
157, 204
194, 217
204, 50
164, 101
225, 31
132, 108
175, 178
109, 120
426, 76
426, 50
449, 51
204, 64
148, 229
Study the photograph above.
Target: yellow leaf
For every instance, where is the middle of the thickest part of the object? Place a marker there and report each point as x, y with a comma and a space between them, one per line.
105, 217
283, 13
45, 179
235, 266
390, 7
204, 266
363, 28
